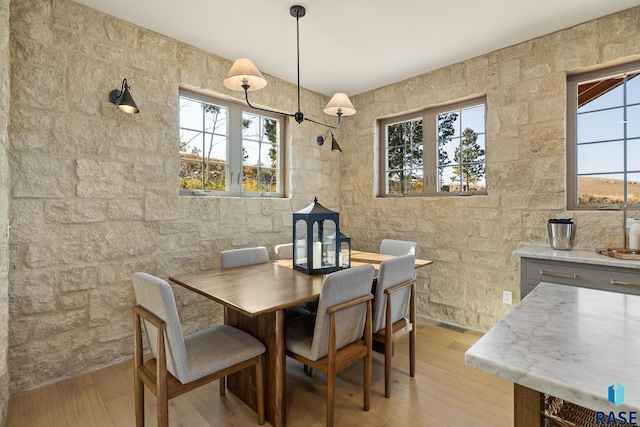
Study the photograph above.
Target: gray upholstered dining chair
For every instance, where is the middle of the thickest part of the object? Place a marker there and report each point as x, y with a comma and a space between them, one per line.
395, 291
332, 339
284, 251
245, 256
398, 247
183, 363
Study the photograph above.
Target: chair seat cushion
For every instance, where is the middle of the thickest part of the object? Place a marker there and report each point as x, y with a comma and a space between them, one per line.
217, 348
300, 335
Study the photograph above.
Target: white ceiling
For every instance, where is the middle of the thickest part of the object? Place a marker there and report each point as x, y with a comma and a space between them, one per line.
354, 46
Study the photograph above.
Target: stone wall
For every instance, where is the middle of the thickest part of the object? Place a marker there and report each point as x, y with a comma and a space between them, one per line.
471, 239
4, 208
94, 191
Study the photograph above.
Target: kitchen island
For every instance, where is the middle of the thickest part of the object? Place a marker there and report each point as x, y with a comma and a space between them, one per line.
569, 342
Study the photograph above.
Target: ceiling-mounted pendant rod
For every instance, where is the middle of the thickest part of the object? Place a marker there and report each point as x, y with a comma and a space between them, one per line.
298, 12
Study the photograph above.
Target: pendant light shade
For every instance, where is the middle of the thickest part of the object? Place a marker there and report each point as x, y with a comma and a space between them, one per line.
243, 73
340, 104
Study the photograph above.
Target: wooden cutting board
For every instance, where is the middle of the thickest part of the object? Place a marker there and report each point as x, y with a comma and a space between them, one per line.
620, 253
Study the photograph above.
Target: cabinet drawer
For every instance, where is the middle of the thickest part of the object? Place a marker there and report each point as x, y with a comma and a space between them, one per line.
584, 275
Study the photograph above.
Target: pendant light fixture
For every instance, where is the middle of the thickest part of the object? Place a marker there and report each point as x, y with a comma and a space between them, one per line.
244, 75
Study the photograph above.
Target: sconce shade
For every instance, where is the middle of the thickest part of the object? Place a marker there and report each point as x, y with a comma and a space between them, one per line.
127, 103
340, 103
334, 145
244, 72
123, 99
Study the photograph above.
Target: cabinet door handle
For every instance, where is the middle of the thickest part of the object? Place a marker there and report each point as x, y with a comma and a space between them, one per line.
550, 273
621, 283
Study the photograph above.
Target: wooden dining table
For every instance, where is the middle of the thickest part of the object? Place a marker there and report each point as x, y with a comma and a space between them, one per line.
255, 298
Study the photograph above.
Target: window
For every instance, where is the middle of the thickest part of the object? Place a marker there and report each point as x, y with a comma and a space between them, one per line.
227, 149
603, 138
439, 151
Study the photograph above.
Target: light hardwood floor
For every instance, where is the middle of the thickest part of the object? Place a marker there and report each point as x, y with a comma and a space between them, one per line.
444, 393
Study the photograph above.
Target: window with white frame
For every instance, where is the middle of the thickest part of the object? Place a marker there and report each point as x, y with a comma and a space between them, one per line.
438, 151
227, 149
603, 138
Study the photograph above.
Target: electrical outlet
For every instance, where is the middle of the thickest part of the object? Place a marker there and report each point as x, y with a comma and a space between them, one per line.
507, 297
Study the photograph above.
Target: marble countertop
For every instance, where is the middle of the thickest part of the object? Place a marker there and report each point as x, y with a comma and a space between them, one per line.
570, 342
583, 256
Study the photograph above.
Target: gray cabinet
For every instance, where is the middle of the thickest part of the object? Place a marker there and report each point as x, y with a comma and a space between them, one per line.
594, 276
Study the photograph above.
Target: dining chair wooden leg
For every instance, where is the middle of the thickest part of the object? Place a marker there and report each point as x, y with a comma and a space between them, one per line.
388, 357
331, 395
367, 381
260, 388
412, 351
223, 385
138, 386
139, 401
162, 401
368, 342
412, 332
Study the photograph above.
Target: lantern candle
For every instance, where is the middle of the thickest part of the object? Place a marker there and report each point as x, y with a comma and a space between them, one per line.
317, 255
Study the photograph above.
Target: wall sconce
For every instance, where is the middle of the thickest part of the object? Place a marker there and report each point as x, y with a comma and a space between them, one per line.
334, 144
123, 100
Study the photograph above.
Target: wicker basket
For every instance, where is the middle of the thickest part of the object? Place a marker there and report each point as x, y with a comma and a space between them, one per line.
560, 413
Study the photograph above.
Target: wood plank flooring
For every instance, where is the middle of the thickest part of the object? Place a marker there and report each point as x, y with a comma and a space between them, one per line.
444, 393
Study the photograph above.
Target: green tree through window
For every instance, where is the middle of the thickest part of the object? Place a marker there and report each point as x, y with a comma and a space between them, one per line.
227, 149
429, 153
469, 157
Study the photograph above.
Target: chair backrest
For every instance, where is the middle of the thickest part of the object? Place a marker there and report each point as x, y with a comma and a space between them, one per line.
245, 256
390, 273
341, 286
155, 295
398, 247
284, 251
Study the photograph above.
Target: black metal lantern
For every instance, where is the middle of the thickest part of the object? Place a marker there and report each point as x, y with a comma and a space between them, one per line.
344, 245
316, 249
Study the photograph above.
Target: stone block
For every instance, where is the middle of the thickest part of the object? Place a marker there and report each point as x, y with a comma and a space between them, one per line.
100, 354
116, 241
51, 254
97, 178
73, 301
125, 210
32, 294
110, 305
32, 18
52, 324
161, 204
114, 332
42, 176
78, 278
75, 212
